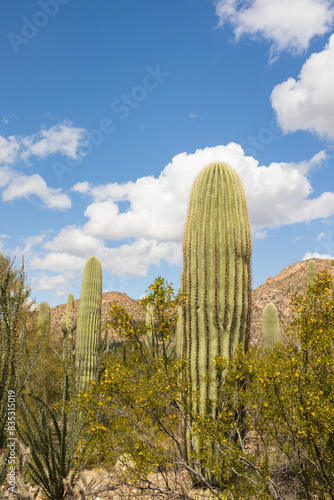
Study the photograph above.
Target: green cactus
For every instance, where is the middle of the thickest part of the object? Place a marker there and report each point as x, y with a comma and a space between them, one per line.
150, 340
89, 323
43, 323
311, 273
216, 277
270, 326
69, 324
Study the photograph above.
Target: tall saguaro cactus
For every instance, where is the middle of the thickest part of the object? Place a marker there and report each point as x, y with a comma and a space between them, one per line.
270, 326
311, 273
216, 277
89, 322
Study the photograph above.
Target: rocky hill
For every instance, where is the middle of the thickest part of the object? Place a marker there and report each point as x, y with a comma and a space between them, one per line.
277, 290
59, 312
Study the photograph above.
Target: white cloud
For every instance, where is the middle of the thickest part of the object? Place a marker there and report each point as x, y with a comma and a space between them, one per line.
308, 103
157, 206
57, 283
321, 236
23, 186
287, 24
57, 262
316, 255
6, 173
81, 187
9, 150
74, 241
61, 138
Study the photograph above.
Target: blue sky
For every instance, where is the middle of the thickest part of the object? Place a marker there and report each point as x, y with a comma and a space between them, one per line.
109, 109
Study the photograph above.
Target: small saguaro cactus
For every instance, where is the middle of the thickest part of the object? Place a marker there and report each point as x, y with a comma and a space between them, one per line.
150, 339
89, 323
270, 326
311, 273
69, 324
216, 278
43, 323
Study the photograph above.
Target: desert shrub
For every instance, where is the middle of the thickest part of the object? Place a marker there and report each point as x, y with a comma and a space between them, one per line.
140, 406
291, 397
274, 426
12, 342
54, 434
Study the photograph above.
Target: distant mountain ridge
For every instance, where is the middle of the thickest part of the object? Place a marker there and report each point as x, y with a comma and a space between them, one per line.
277, 290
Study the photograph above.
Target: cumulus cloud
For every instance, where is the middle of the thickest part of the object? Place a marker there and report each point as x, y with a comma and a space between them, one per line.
289, 25
149, 230
57, 262
57, 283
6, 173
61, 138
14, 150
157, 206
74, 241
23, 186
308, 102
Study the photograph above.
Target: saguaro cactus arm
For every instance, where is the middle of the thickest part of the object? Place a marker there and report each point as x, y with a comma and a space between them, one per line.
69, 324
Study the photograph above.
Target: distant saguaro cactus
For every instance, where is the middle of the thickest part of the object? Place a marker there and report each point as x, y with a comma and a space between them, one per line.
216, 277
43, 322
89, 322
311, 273
270, 326
150, 340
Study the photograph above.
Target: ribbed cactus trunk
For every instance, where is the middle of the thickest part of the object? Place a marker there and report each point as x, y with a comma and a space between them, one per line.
43, 323
89, 323
150, 340
217, 278
270, 326
311, 273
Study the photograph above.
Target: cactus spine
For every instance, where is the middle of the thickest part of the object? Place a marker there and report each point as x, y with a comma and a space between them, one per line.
216, 277
89, 323
43, 323
270, 326
311, 273
69, 324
